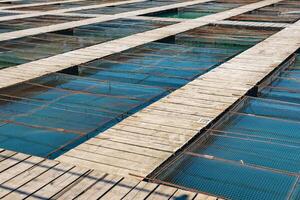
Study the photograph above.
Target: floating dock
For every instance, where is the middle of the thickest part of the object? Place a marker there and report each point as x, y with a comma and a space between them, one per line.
97, 99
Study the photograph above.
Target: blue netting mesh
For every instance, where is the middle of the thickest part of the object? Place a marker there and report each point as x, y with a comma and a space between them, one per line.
91, 98
229, 180
254, 152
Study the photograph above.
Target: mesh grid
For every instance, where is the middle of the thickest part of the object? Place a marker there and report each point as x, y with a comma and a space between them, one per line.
226, 179
31, 48
94, 96
253, 153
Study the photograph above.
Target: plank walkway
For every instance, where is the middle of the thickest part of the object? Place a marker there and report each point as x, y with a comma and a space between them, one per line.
37, 4
112, 164
158, 131
4, 1
253, 24
116, 16
31, 70
165, 19
28, 14
222, 22
24, 176
102, 18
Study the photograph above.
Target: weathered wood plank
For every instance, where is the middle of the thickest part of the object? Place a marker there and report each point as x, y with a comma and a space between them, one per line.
182, 194
19, 168
82, 186
253, 24
121, 189
44, 179
100, 188
162, 193
15, 183
62, 182
11, 161
37, 4
62, 12
141, 191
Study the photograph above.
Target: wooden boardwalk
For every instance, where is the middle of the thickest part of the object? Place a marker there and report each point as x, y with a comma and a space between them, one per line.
99, 19
73, 24
31, 70
253, 24
36, 4
158, 131
222, 22
113, 164
24, 176
26, 14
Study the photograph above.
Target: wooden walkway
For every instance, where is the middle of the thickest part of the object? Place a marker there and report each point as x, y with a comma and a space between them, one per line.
102, 18
112, 164
31, 70
158, 131
36, 4
99, 19
253, 24
28, 14
222, 22
23, 176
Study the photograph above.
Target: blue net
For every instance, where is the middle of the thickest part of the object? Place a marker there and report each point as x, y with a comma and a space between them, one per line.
77, 104
252, 154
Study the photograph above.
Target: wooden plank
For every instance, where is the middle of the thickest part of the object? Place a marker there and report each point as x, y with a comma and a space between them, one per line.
121, 189
202, 197
195, 102
194, 111
6, 154
106, 162
162, 193
143, 131
253, 24
39, 182
26, 176
65, 11
84, 162
19, 168
158, 128
11, 161
141, 191
143, 144
165, 19
175, 120
4, 1
183, 194
100, 188
127, 148
153, 141
115, 153
60, 184
37, 4
105, 158
88, 181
